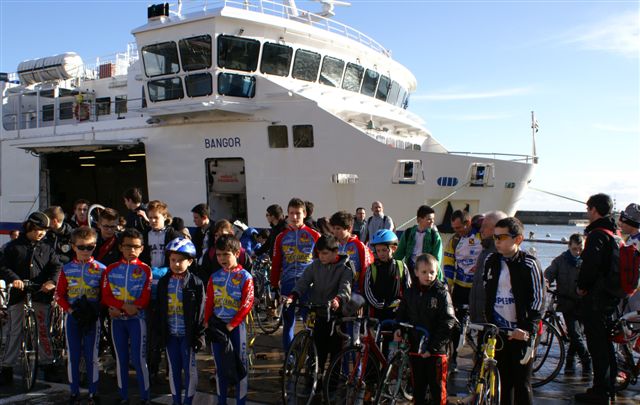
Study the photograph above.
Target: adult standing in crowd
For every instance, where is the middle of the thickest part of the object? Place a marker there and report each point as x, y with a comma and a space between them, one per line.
59, 234
599, 306
275, 218
202, 221
80, 214
359, 222
133, 201
378, 220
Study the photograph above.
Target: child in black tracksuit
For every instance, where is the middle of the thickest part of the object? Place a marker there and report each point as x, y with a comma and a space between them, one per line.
514, 287
428, 304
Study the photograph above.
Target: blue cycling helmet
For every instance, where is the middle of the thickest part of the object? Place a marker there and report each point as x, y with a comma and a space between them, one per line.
183, 246
384, 236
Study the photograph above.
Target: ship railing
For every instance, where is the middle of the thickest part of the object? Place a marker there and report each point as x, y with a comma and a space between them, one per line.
512, 157
279, 9
66, 113
116, 64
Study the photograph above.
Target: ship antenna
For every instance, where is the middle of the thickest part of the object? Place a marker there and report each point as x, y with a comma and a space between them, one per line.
534, 130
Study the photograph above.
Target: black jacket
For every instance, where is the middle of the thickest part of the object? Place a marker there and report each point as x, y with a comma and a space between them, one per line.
111, 256
432, 309
267, 247
527, 283
198, 239
61, 242
192, 307
136, 221
169, 235
26, 260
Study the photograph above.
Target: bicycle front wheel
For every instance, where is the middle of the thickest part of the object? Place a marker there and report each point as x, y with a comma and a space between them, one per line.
352, 378
300, 371
268, 314
29, 350
488, 389
549, 355
395, 381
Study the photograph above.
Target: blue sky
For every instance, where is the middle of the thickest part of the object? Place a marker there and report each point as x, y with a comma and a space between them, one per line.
482, 67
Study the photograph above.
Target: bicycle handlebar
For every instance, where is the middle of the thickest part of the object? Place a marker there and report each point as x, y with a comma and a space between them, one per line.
494, 330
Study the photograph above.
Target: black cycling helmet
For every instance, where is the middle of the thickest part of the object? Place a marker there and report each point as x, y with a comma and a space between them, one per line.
39, 219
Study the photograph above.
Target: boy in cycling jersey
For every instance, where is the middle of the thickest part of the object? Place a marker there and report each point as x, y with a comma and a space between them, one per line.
514, 287
327, 279
178, 319
361, 257
428, 304
228, 302
78, 294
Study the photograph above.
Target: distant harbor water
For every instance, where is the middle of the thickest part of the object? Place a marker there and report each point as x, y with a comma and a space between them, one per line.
546, 252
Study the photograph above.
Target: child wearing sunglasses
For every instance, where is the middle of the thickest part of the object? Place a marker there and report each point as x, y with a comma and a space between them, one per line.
514, 287
78, 294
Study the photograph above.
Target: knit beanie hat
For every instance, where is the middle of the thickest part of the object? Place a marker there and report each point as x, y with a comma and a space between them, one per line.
631, 215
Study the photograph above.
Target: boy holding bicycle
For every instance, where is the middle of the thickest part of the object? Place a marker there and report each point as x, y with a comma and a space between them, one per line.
428, 304
327, 279
514, 287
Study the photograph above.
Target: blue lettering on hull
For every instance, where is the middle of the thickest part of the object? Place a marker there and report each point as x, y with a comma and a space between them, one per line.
222, 143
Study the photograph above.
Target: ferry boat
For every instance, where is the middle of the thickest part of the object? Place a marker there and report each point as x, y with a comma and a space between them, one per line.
240, 104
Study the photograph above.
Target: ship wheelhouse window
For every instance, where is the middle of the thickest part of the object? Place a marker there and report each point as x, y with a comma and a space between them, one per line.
401, 97
47, 112
306, 65
278, 136
276, 59
303, 136
198, 85
121, 104
394, 91
160, 59
369, 83
195, 52
231, 84
383, 88
66, 110
103, 106
238, 53
166, 89
331, 72
352, 77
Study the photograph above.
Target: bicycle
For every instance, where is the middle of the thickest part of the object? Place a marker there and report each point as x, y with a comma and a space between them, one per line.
550, 348
268, 309
354, 375
57, 333
397, 375
484, 380
30, 341
626, 337
301, 368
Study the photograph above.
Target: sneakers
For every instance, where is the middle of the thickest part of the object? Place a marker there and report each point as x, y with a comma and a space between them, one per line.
6, 376
593, 397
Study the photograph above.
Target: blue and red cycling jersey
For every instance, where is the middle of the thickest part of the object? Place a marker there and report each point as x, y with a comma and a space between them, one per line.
127, 283
361, 257
229, 295
78, 279
292, 253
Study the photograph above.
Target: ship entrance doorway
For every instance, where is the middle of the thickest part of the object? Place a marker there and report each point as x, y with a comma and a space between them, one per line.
227, 189
97, 173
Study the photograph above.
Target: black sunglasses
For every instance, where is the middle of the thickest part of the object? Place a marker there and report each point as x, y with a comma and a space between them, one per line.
86, 248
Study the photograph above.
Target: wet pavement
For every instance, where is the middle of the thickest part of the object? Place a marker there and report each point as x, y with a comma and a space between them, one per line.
265, 383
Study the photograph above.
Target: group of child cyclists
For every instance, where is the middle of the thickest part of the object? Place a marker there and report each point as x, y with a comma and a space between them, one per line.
163, 291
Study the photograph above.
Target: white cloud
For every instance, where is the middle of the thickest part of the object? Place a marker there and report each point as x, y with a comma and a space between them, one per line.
619, 34
468, 95
615, 128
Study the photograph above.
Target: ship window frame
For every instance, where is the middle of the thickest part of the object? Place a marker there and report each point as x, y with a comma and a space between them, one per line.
121, 104
198, 50
249, 65
245, 93
160, 70
65, 111
103, 106
48, 112
402, 94
278, 136
352, 79
379, 95
366, 75
195, 86
333, 75
177, 88
304, 69
274, 63
394, 88
303, 136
